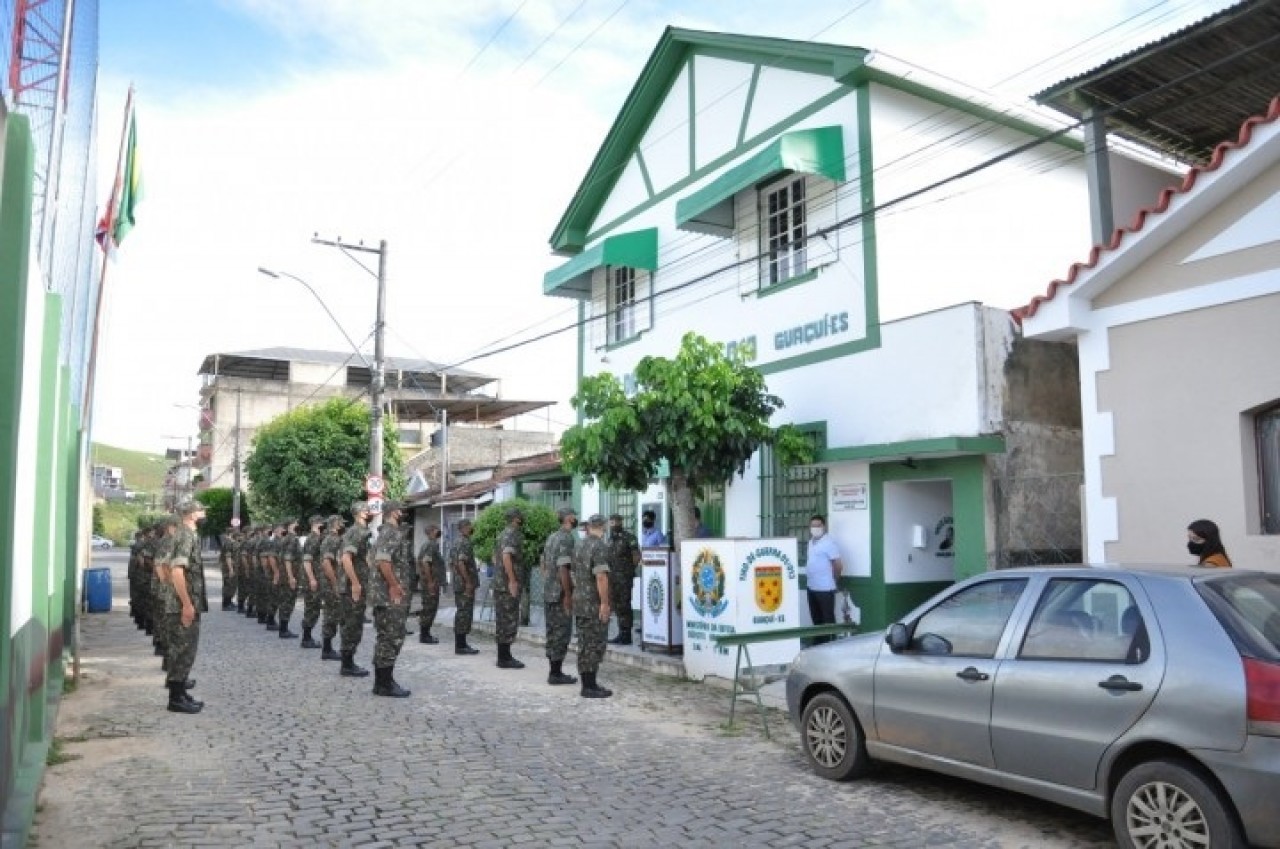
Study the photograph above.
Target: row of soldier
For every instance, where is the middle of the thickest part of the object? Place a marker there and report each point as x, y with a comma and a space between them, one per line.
339, 572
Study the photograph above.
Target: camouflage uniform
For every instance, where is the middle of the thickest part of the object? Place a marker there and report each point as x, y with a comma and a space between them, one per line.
432, 574
311, 571
289, 558
462, 560
505, 605
355, 544
389, 615
183, 553
160, 592
244, 603
330, 593
135, 582
591, 559
557, 554
623, 551
227, 560
269, 563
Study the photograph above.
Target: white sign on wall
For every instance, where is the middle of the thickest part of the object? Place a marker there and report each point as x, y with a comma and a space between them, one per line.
849, 496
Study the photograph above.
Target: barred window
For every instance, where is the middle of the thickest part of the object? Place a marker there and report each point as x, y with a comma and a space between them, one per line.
1267, 428
623, 502
622, 304
784, 253
789, 495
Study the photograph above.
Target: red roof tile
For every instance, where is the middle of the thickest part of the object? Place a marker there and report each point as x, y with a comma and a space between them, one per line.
1160, 206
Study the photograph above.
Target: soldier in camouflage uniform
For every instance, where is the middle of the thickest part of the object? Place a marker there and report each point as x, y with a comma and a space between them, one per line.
309, 581
269, 555
462, 560
183, 606
353, 582
289, 557
158, 566
330, 585
506, 587
392, 566
227, 558
624, 557
135, 583
253, 568
591, 605
431, 578
557, 593
247, 546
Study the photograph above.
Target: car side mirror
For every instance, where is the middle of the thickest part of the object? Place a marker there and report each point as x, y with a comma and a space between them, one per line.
897, 638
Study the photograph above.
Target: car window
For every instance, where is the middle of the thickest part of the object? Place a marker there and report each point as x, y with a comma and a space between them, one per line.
1255, 599
1086, 619
969, 623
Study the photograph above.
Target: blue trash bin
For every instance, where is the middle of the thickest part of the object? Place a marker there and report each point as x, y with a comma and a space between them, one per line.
97, 590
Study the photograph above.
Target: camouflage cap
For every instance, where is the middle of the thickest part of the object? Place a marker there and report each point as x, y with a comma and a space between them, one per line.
514, 513
565, 512
359, 507
390, 506
316, 519
190, 506
335, 520
596, 520
615, 517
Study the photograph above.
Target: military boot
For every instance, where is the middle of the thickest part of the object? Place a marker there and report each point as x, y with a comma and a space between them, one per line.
385, 685
329, 653
285, 633
460, 645
349, 668
558, 676
592, 690
189, 684
179, 704
424, 636
308, 642
271, 623
505, 660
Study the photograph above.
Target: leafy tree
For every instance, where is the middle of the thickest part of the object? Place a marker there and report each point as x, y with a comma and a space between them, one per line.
314, 460
99, 525
217, 514
539, 521
146, 520
705, 412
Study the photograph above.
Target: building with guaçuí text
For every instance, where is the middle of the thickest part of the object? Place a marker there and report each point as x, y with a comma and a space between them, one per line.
763, 193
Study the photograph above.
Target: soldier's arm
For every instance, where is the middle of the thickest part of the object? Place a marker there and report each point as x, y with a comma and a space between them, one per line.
385, 569
308, 568
508, 566
635, 552
349, 567
326, 566
602, 587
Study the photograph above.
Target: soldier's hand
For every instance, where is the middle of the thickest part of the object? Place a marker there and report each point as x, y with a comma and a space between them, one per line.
188, 615
293, 583
397, 595
314, 585
355, 590
567, 603
604, 611
513, 586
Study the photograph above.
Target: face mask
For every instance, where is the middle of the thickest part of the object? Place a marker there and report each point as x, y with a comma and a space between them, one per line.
1196, 548
816, 532
646, 524
573, 523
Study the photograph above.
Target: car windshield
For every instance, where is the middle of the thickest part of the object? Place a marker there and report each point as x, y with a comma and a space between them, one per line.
1254, 604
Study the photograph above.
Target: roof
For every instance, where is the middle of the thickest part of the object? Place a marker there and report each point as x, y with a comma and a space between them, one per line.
270, 363
660, 71
1099, 253
534, 464
1189, 90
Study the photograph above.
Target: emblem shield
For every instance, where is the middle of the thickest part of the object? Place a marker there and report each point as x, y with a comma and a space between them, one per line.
768, 581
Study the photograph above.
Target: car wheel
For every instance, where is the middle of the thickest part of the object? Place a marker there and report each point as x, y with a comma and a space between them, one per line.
1165, 804
833, 740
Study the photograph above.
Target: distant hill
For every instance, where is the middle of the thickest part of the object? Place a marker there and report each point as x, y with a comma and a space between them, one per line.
143, 472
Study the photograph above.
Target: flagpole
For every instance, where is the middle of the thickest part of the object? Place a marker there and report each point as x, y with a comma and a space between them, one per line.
86, 404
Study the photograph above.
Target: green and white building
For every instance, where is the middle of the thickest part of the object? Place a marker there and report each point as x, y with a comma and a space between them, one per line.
760, 192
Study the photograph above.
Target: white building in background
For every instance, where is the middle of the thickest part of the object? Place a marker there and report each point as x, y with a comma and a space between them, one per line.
760, 192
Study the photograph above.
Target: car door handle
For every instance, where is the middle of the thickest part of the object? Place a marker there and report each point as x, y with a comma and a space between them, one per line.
1120, 683
972, 674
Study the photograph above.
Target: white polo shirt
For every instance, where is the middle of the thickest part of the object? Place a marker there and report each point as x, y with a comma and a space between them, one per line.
818, 569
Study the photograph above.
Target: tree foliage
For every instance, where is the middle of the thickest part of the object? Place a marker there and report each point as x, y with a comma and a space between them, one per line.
217, 502
539, 521
314, 460
99, 523
705, 412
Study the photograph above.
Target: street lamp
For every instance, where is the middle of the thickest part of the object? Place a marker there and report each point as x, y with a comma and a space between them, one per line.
278, 274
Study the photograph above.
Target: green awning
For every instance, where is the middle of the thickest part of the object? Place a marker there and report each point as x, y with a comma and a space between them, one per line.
816, 151
638, 249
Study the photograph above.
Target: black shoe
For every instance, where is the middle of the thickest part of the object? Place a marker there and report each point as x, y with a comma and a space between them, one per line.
425, 637
510, 663
558, 678
349, 668
272, 624
286, 634
385, 685
592, 690
330, 654
616, 640
239, 607
460, 645
186, 697
159, 651
308, 643
180, 702
227, 605
622, 640
189, 684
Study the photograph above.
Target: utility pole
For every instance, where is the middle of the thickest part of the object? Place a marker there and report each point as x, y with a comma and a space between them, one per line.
235, 486
378, 382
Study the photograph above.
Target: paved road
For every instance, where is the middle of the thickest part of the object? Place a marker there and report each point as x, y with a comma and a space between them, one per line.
287, 753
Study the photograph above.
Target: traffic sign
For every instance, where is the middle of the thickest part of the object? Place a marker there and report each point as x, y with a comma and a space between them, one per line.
375, 505
235, 521
373, 484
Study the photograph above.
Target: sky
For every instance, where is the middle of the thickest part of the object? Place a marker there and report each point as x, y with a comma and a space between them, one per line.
457, 132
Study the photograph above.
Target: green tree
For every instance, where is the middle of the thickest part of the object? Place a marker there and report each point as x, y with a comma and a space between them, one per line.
314, 460
217, 514
539, 521
146, 520
705, 412
99, 524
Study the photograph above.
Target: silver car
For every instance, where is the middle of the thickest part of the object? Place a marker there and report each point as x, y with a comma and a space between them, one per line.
1147, 695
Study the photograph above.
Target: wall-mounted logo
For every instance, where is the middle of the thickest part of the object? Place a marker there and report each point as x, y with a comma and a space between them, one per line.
707, 581
654, 597
830, 324
945, 533
768, 587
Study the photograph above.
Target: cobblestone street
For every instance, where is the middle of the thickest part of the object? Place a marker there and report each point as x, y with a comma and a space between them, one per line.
287, 753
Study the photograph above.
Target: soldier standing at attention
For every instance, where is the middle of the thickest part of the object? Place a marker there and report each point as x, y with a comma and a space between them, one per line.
270, 556
247, 546
135, 583
160, 586
330, 585
227, 560
591, 605
289, 556
557, 593
506, 587
463, 560
184, 565
624, 557
309, 581
353, 577
431, 579
392, 565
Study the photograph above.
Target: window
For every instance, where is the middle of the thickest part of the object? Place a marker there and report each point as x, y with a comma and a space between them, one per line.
1085, 619
789, 495
784, 250
1267, 427
622, 304
623, 502
969, 623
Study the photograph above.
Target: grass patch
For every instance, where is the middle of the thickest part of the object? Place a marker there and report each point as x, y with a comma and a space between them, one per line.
57, 750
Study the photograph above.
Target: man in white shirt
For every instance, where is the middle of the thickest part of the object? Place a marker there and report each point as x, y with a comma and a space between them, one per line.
822, 573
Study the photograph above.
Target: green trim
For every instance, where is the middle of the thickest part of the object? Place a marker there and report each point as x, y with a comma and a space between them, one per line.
637, 249
746, 108
819, 427
582, 356
818, 150
635, 337
693, 118
541, 476
946, 445
655, 80
717, 163
644, 172
868, 343
766, 291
